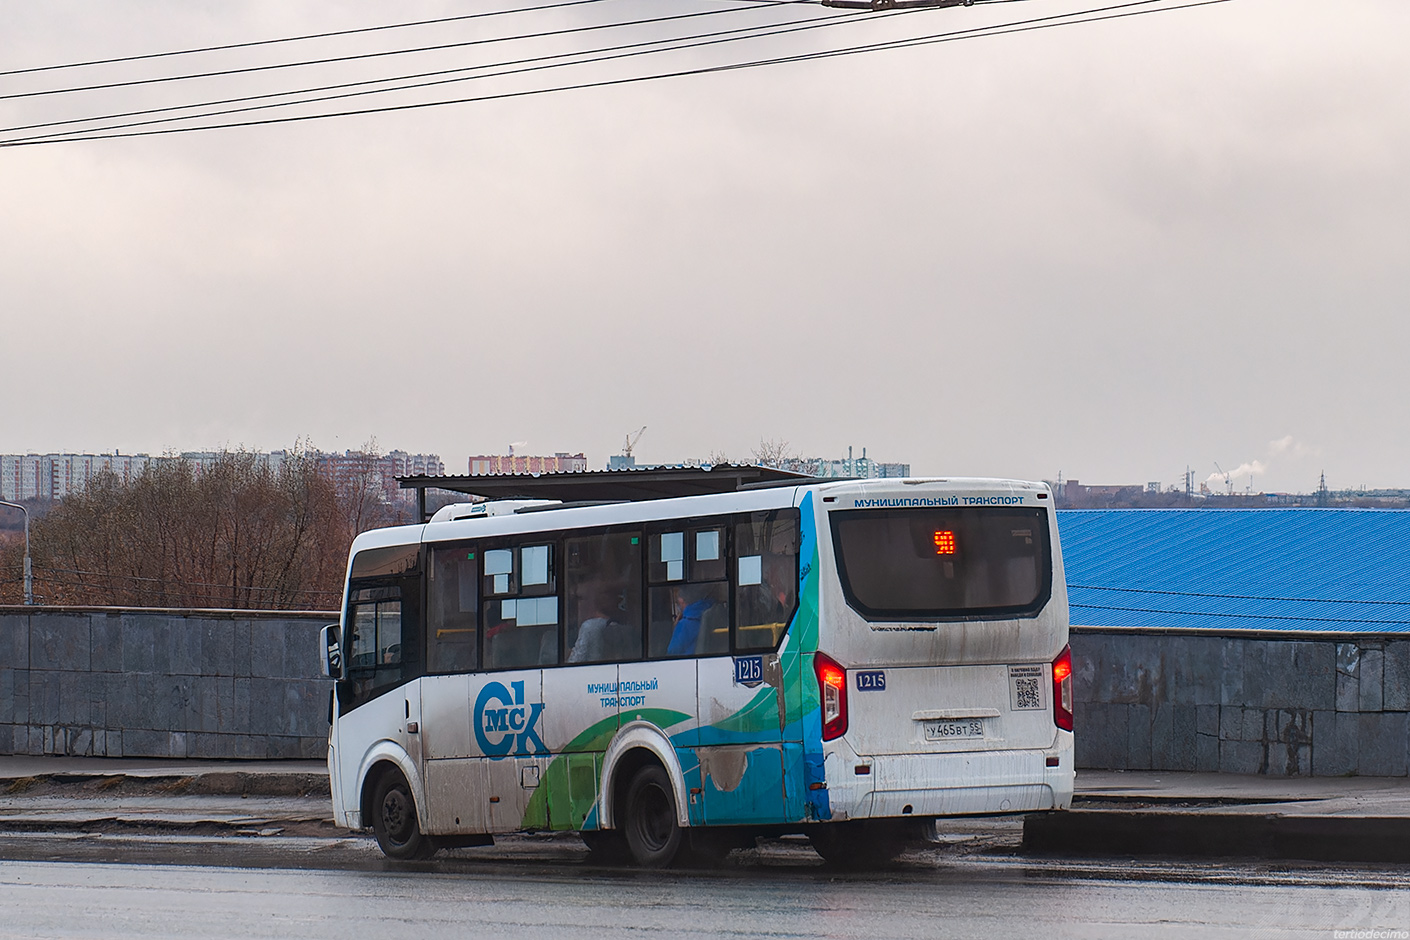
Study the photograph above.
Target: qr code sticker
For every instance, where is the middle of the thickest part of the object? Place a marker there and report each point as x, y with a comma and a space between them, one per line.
1026, 687
1028, 693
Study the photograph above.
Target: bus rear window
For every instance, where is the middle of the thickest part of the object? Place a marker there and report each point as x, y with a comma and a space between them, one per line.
943, 564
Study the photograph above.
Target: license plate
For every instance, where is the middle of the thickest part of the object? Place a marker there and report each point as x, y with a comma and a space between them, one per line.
954, 729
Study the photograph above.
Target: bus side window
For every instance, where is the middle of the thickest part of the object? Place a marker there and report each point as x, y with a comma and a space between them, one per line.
453, 624
689, 596
375, 614
602, 591
766, 578
520, 607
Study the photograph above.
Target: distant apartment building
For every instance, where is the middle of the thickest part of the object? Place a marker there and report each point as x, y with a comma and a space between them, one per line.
202, 460
862, 467
491, 465
413, 465
376, 474
54, 476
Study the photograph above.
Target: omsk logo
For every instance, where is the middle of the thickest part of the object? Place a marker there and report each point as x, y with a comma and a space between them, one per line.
509, 730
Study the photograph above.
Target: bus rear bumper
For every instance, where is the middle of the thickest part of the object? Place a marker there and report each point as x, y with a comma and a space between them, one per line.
957, 784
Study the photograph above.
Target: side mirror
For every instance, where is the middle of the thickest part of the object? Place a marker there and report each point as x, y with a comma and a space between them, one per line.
332, 640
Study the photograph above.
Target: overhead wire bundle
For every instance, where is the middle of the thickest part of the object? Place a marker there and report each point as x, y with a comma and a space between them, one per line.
583, 52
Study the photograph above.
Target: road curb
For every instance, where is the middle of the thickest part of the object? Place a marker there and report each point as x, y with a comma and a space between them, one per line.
213, 783
117, 823
1215, 835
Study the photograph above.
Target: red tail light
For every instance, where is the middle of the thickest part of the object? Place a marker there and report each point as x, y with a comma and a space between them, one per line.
1062, 689
832, 686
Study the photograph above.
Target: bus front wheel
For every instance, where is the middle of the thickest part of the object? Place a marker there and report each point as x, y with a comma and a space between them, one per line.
394, 819
649, 819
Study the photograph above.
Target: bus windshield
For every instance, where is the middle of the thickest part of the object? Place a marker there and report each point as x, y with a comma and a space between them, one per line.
943, 564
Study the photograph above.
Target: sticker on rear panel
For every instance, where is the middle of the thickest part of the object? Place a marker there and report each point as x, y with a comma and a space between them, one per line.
1026, 687
874, 681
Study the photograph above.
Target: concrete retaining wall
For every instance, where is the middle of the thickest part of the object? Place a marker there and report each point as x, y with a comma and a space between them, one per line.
1259, 704
162, 683
246, 684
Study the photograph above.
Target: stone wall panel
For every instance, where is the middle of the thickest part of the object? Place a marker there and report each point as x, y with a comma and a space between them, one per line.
1293, 705
1395, 680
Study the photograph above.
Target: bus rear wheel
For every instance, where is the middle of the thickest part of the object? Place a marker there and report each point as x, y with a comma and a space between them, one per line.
649, 818
394, 820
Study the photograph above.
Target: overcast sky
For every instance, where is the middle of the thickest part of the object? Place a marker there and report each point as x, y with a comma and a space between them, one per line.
1111, 250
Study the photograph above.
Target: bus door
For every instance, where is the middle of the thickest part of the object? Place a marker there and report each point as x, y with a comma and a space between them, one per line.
522, 633
452, 767
741, 696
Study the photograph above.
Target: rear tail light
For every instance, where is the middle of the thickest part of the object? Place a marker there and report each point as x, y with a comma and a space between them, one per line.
832, 687
1062, 689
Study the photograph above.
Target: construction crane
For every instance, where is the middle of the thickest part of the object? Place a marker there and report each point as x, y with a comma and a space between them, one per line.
631, 441
1228, 483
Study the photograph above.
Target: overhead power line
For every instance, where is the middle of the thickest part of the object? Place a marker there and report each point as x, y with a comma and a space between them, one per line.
385, 27
1080, 17
287, 39
533, 64
382, 53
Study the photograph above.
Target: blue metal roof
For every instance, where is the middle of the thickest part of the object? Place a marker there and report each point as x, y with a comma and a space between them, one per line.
1323, 570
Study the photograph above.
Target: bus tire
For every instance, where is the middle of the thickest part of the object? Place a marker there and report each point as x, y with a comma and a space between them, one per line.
859, 845
394, 820
649, 818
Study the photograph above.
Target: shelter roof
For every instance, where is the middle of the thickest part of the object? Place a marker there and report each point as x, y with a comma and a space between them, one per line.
625, 484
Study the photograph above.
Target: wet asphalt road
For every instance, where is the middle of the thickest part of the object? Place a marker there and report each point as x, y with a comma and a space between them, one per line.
121, 885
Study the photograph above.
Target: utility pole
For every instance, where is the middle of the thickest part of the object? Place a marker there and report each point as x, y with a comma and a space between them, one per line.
28, 572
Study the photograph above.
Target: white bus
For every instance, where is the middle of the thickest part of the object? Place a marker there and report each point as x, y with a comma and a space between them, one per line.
677, 676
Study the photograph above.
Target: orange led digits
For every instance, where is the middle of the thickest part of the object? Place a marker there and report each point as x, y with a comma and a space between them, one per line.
945, 542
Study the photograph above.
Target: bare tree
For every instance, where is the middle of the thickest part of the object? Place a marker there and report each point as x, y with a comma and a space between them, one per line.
233, 534
776, 454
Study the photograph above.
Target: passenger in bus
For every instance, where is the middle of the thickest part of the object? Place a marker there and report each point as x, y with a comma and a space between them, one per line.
776, 600
689, 602
600, 636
